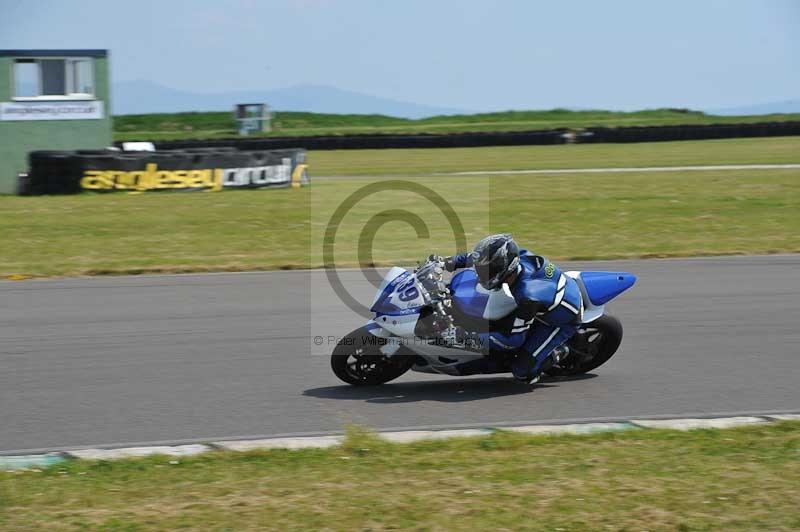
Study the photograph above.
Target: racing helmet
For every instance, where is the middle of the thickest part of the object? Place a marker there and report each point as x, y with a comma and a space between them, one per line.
495, 258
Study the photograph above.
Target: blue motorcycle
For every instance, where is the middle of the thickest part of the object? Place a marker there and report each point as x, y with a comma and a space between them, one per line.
412, 309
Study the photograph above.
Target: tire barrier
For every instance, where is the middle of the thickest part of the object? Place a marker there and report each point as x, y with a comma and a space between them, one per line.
671, 133
199, 168
516, 138
360, 142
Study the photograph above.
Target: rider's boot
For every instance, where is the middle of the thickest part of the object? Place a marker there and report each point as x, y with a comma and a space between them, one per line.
528, 369
560, 353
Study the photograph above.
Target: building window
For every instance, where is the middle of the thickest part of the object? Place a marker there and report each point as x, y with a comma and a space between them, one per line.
26, 78
53, 78
82, 76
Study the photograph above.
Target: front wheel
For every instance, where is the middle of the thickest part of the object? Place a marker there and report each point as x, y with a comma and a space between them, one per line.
590, 347
358, 360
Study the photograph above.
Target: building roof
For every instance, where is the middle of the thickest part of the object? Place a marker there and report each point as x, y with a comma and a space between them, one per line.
53, 53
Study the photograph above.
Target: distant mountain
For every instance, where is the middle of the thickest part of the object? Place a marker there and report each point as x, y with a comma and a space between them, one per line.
140, 97
787, 107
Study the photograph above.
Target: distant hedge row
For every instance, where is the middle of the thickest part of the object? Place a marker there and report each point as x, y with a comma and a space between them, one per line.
516, 138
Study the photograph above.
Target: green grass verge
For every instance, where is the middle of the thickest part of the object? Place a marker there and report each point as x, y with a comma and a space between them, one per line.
775, 150
563, 216
736, 479
171, 126
589, 216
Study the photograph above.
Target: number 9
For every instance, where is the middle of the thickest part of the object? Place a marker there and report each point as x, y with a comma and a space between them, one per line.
409, 295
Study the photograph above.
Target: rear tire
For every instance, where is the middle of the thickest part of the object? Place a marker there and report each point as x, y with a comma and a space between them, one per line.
588, 350
358, 360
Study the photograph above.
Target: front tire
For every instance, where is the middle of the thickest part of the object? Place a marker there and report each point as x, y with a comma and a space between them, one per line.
592, 346
358, 360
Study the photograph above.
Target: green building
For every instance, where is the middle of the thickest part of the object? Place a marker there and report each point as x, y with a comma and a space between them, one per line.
51, 100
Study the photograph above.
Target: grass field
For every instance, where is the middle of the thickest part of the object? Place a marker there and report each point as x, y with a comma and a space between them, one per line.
776, 150
736, 479
564, 216
221, 124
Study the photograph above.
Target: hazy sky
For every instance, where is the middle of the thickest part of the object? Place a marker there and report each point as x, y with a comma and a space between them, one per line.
464, 54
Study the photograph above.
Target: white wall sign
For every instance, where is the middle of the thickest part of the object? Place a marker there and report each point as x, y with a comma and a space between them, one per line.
52, 110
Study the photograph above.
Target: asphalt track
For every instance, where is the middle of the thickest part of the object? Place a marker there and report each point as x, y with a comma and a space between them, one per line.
114, 361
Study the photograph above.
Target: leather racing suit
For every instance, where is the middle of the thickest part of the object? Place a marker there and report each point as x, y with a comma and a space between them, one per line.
549, 310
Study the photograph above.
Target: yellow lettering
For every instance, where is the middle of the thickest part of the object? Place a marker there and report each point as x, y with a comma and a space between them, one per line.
152, 179
148, 180
297, 175
135, 179
217, 183
162, 180
121, 180
96, 180
197, 178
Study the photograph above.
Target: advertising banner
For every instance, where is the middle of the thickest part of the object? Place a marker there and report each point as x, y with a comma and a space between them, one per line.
52, 110
106, 171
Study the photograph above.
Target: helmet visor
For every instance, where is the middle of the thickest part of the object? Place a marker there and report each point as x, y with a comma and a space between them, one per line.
489, 275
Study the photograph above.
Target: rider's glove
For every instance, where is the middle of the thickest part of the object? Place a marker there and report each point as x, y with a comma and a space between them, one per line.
448, 262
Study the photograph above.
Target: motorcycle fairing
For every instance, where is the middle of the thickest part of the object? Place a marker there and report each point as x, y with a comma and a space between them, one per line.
398, 294
602, 287
397, 304
475, 301
444, 364
399, 324
393, 342
605, 287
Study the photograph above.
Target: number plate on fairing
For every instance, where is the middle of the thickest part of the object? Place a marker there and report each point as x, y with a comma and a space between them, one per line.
399, 294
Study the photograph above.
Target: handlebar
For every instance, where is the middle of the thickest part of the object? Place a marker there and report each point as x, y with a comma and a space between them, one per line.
431, 276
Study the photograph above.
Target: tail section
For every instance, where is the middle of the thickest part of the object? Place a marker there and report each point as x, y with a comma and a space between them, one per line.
602, 287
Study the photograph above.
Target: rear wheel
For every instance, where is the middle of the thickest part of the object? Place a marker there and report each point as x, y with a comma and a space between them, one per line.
358, 360
590, 347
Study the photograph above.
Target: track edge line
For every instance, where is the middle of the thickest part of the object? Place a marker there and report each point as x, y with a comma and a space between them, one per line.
47, 459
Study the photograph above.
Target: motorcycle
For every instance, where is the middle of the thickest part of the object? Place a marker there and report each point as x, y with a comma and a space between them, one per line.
412, 309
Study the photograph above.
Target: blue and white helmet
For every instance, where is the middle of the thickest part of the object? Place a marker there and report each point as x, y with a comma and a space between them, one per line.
495, 258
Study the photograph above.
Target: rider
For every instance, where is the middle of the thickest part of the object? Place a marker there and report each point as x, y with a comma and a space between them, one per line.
542, 293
